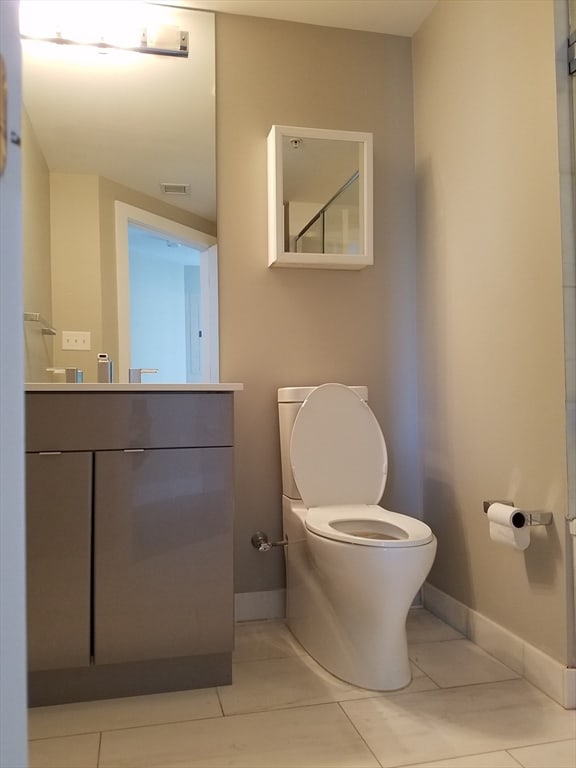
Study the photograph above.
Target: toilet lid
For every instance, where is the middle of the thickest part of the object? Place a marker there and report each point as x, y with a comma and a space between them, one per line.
337, 449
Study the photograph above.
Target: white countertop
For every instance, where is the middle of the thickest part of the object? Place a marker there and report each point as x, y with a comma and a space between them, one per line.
94, 387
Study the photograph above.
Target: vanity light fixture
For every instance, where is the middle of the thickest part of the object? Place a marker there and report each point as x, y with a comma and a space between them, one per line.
181, 52
54, 21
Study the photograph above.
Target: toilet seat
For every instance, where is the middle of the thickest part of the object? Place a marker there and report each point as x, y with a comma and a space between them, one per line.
340, 463
337, 449
367, 524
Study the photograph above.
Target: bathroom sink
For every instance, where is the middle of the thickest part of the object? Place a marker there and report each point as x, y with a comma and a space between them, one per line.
143, 387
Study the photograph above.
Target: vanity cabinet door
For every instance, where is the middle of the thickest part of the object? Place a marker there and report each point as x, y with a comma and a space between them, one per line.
163, 554
58, 543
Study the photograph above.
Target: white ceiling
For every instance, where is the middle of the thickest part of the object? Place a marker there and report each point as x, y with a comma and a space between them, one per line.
393, 17
128, 121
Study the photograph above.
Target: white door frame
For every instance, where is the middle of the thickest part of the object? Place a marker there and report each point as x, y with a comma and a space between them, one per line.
126, 214
13, 728
210, 357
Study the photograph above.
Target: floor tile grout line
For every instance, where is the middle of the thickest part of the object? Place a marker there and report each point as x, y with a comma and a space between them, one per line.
194, 720
131, 727
287, 707
220, 702
471, 642
339, 704
99, 750
224, 714
420, 669
384, 694
520, 765
550, 741
441, 687
471, 754
198, 719
63, 736
388, 695
377, 695
475, 754
363, 740
373, 695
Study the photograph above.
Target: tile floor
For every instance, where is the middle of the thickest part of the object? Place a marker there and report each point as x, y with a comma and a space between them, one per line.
463, 709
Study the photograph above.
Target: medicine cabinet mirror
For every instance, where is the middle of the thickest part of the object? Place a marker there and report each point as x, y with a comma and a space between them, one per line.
319, 198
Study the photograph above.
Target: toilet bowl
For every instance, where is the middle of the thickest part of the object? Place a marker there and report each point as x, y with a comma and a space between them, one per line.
353, 568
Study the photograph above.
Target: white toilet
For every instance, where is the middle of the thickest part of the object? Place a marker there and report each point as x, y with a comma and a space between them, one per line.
352, 567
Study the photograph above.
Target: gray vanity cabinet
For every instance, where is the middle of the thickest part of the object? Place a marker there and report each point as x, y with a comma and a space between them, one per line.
58, 543
130, 520
162, 570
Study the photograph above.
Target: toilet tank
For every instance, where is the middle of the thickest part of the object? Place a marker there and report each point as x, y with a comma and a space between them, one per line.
290, 400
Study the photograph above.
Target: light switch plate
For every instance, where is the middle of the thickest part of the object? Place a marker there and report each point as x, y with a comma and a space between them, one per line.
76, 340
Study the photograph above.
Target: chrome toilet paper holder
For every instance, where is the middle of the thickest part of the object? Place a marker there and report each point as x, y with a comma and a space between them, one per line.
530, 518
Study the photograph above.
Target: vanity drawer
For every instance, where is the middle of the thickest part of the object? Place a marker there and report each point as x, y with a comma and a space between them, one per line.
93, 421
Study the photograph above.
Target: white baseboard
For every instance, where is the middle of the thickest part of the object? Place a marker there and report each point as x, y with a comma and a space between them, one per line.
569, 688
552, 677
445, 607
252, 606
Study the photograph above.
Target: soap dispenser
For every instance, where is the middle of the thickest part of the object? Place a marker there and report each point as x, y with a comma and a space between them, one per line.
105, 368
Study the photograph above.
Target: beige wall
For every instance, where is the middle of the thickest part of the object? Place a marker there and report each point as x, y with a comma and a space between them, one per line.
76, 283
283, 327
491, 330
36, 254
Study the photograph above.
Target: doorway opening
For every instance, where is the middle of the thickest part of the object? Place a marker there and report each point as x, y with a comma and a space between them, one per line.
167, 286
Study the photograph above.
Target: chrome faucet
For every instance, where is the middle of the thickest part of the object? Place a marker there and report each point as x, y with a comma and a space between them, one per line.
135, 374
72, 375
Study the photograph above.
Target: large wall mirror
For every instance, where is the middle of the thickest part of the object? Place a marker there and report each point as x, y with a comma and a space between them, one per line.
319, 198
107, 126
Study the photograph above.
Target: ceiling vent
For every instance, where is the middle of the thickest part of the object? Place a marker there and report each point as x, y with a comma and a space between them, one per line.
175, 189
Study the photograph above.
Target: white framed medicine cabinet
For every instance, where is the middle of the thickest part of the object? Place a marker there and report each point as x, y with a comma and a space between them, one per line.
319, 198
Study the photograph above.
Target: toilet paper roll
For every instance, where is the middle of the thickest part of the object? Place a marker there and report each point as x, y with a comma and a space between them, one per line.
508, 526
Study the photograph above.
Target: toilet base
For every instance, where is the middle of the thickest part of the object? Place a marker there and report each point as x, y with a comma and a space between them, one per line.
345, 605
341, 661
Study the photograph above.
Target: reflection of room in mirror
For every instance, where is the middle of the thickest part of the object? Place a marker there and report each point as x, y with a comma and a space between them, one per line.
89, 120
167, 285
164, 305
321, 195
